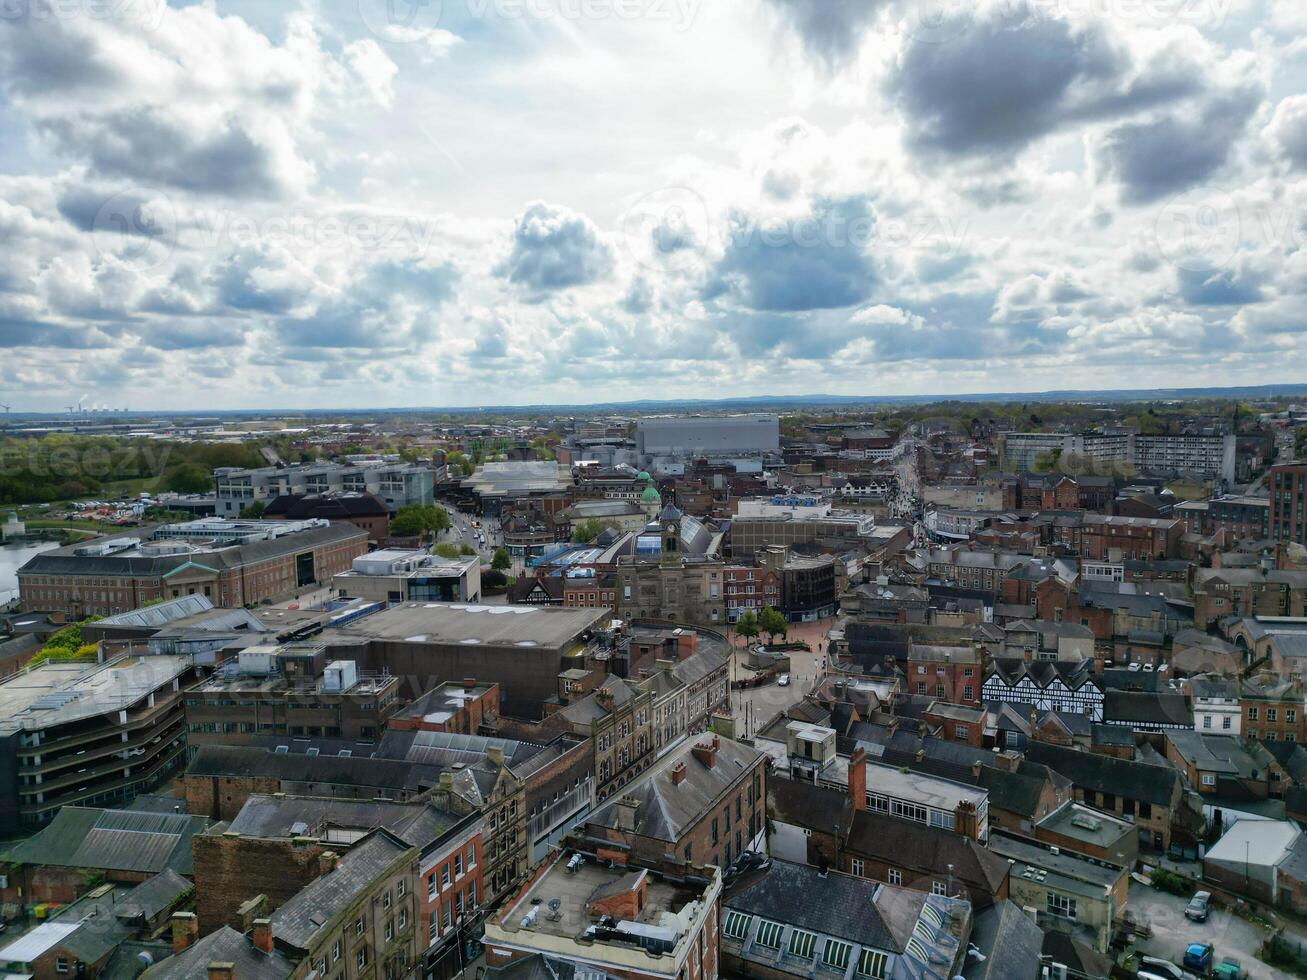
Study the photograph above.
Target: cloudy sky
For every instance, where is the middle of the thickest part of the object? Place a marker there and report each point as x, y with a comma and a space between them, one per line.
245, 203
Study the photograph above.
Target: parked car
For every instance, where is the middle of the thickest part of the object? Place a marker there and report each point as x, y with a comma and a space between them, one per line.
1159, 969
1198, 956
1199, 907
783, 680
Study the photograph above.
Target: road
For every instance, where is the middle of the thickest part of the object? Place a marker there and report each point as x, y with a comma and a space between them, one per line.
759, 705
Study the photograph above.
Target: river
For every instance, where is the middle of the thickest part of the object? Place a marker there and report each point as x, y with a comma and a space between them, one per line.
12, 558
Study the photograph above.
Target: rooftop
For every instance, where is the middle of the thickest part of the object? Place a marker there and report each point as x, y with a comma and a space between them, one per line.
448, 623
1083, 823
57, 694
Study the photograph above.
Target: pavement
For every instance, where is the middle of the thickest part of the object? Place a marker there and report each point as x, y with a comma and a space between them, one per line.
1172, 932
759, 705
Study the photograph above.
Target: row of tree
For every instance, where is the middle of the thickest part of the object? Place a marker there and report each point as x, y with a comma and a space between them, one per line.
770, 621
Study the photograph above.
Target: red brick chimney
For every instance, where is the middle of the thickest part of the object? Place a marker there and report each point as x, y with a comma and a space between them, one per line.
706, 752
678, 773
964, 820
185, 930
469, 683
222, 971
262, 934
858, 778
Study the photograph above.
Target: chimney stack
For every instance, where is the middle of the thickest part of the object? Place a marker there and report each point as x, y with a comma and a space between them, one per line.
185, 930
469, 684
262, 934
858, 778
222, 971
495, 755
706, 752
327, 861
678, 773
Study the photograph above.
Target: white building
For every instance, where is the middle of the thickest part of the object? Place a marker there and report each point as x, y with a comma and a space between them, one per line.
1216, 705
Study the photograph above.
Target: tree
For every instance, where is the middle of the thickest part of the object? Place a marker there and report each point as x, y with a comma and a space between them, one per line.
501, 562
449, 551
773, 622
588, 529
466, 549
747, 625
417, 521
253, 510
189, 478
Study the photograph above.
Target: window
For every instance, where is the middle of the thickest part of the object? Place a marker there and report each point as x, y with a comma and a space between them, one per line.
803, 944
390, 929
1207, 721
61, 965
471, 856
837, 954
1209, 779
403, 918
968, 693
385, 900
401, 889
335, 951
872, 964
472, 894
736, 925
769, 935
431, 886
433, 930
444, 876
1272, 714
938, 888
961, 732
362, 958
1061, 905
359, 926
856, 867
894, 877
1252, 714
1290, 715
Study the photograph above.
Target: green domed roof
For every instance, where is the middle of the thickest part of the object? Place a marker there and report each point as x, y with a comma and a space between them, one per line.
644, 475
651, 495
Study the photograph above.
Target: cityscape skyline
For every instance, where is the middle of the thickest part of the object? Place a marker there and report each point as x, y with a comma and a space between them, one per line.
356, 203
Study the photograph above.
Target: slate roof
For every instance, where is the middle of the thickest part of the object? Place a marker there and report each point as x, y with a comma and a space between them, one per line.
112, 840
245, 761
1011, 941
1101, 773
666, 809
313, 908
298, 507
820, 808
928, 850
1147, 708
153, 896
1043, 672
418, 824
830, 904
224, 946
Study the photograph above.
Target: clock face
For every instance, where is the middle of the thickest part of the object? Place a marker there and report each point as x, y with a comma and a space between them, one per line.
671, 527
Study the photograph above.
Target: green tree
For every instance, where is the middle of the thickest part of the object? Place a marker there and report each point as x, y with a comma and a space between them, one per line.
418, 521
747, 625
589, 529
253, 510
773, 623
466, 549
189, 478
449, 551
501, 562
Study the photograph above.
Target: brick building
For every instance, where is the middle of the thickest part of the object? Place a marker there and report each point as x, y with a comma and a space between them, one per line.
1273, 709
944, 673
232, 563
1103, 536
705, 803
1288, 486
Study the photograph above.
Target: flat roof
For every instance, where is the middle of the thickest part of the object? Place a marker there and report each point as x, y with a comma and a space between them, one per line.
468, 623
56, 694
917, 787
1072, 819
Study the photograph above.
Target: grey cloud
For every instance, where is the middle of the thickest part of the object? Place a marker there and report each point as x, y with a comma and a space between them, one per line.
1155, 159
1219, 287
555, 249
1015, 77
142, 145
830, 30
239, 287
819, 262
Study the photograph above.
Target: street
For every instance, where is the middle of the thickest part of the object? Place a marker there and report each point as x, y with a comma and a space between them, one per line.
758, 705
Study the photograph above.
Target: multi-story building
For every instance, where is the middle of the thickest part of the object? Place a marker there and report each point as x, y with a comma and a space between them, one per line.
460, 707
232, 563
396, 576
1021, 450
1273, 710
798, 921
1288, 486
291, 691
952, 674
579, 915
668, 442
1216, 706
1103, 536
1208, 456
586, 589
364, 511
705, 803
749, 588
836, 531
93, 735
618, 718
1048, 685
1244, 518
396, 484
1222, 592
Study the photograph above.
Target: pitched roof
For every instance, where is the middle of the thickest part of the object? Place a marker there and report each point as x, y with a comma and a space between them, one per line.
665, 809
154, 896
224, 946
112, 840
931, 850
1011, 941
1101, 773
314, 907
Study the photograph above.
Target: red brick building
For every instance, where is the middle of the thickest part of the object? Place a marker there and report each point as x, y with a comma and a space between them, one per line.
1103, 536
232, 563
1288, 486
749, 588
952, 674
